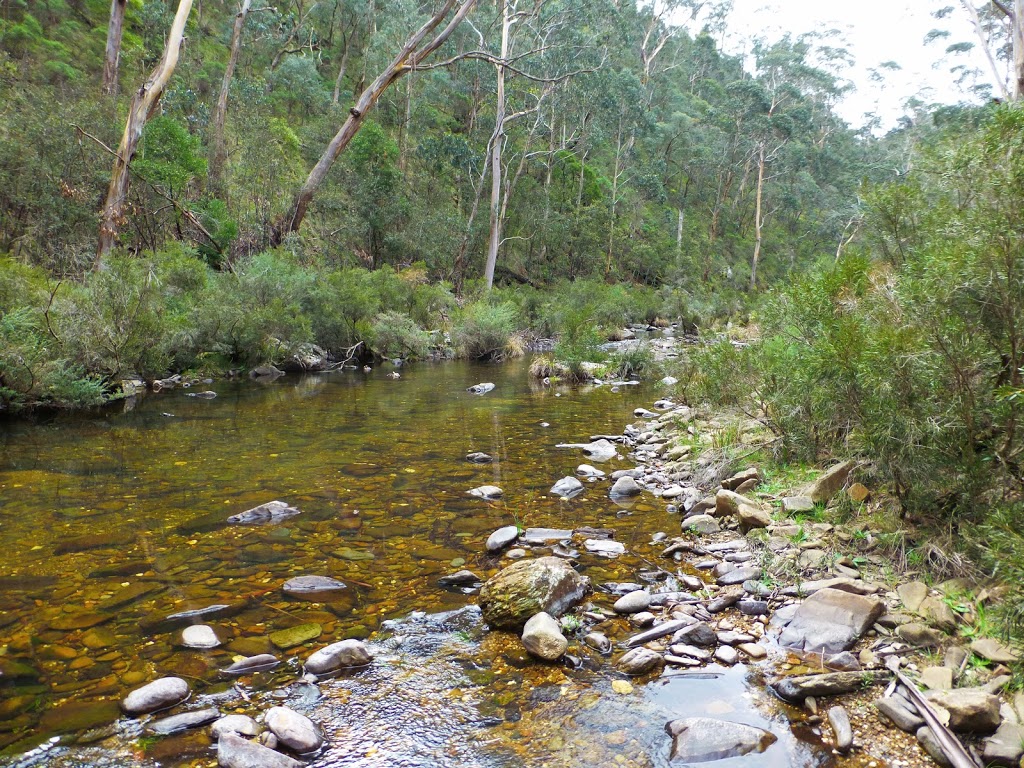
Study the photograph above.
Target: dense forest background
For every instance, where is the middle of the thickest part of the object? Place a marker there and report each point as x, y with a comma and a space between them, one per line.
629, 150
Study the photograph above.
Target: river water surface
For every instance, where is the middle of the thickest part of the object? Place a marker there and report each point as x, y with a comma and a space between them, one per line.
110, 522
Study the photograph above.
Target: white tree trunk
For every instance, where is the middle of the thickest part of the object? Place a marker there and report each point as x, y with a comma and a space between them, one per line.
143, 106
494, 240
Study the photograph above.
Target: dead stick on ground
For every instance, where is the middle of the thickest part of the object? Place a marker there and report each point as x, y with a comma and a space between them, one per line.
955, 751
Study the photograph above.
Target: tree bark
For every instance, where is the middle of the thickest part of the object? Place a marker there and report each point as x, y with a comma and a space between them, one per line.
115, 31
411, 55
218, 146
143, 106
499, 135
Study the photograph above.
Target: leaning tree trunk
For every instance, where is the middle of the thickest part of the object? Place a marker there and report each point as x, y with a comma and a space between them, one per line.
494, 240
143, 106
408, 58
115, 31
218, 145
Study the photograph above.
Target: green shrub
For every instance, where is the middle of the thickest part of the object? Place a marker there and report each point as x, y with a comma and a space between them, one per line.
112, 324
30, 371
392, 335
633, 359
483, 330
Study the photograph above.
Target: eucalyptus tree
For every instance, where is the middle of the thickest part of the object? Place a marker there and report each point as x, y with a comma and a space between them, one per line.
143, 106
420, 46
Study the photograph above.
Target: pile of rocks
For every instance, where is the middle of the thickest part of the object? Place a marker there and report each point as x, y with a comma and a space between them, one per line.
266, 740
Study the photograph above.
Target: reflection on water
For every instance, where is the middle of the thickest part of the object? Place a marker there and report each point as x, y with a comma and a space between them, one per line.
110, 523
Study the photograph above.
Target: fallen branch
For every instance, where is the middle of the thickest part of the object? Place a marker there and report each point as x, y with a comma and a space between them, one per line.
951, 745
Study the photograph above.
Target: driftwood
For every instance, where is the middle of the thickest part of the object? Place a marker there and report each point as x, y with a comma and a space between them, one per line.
958, 755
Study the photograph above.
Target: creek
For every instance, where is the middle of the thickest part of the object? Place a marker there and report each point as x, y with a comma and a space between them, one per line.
110, 522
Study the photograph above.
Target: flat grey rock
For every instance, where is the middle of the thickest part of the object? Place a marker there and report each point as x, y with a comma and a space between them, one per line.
703, 739
487, 492
235, 752
185, 721
345, 653
830, 621
567, 487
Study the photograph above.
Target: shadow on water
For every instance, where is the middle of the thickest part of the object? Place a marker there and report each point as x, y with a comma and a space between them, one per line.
109, 524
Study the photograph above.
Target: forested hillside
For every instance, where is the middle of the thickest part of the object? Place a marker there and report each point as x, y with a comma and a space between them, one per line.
626, 148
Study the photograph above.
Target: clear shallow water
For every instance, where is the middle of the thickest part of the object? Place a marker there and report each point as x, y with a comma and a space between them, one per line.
110, 522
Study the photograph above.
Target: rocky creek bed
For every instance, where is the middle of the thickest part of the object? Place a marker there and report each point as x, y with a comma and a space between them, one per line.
673, 614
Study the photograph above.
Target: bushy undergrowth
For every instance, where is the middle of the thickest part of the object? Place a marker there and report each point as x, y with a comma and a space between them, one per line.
67, 343
911, 362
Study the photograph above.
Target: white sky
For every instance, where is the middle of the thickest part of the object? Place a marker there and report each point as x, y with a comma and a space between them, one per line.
874, 31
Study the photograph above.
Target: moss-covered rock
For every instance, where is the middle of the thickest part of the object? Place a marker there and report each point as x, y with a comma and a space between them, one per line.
529, 587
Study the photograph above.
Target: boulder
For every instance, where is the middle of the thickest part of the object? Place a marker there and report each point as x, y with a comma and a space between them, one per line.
830, 621
346, 653
241, 725
938, 614
528, 587
459, 579
633, 602
839, 719
701, 739
501, 538
477, 457
933, 746
585, 470
167, 726
604, 547
971, 710
199, 636
306, 586
639, 661
295, 731
541, 537
625, 487
567, 487
896, 710
740, 575
292, 637
271, 512
912, 594
488, 492
235, 752
750, 516
259, 663
797, 505
480, 389
796, 689
702, 524
160, 694
830, 483
727, 503
1005, 746
919, 635
734, 482
994, 651
543, 637
599, 450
